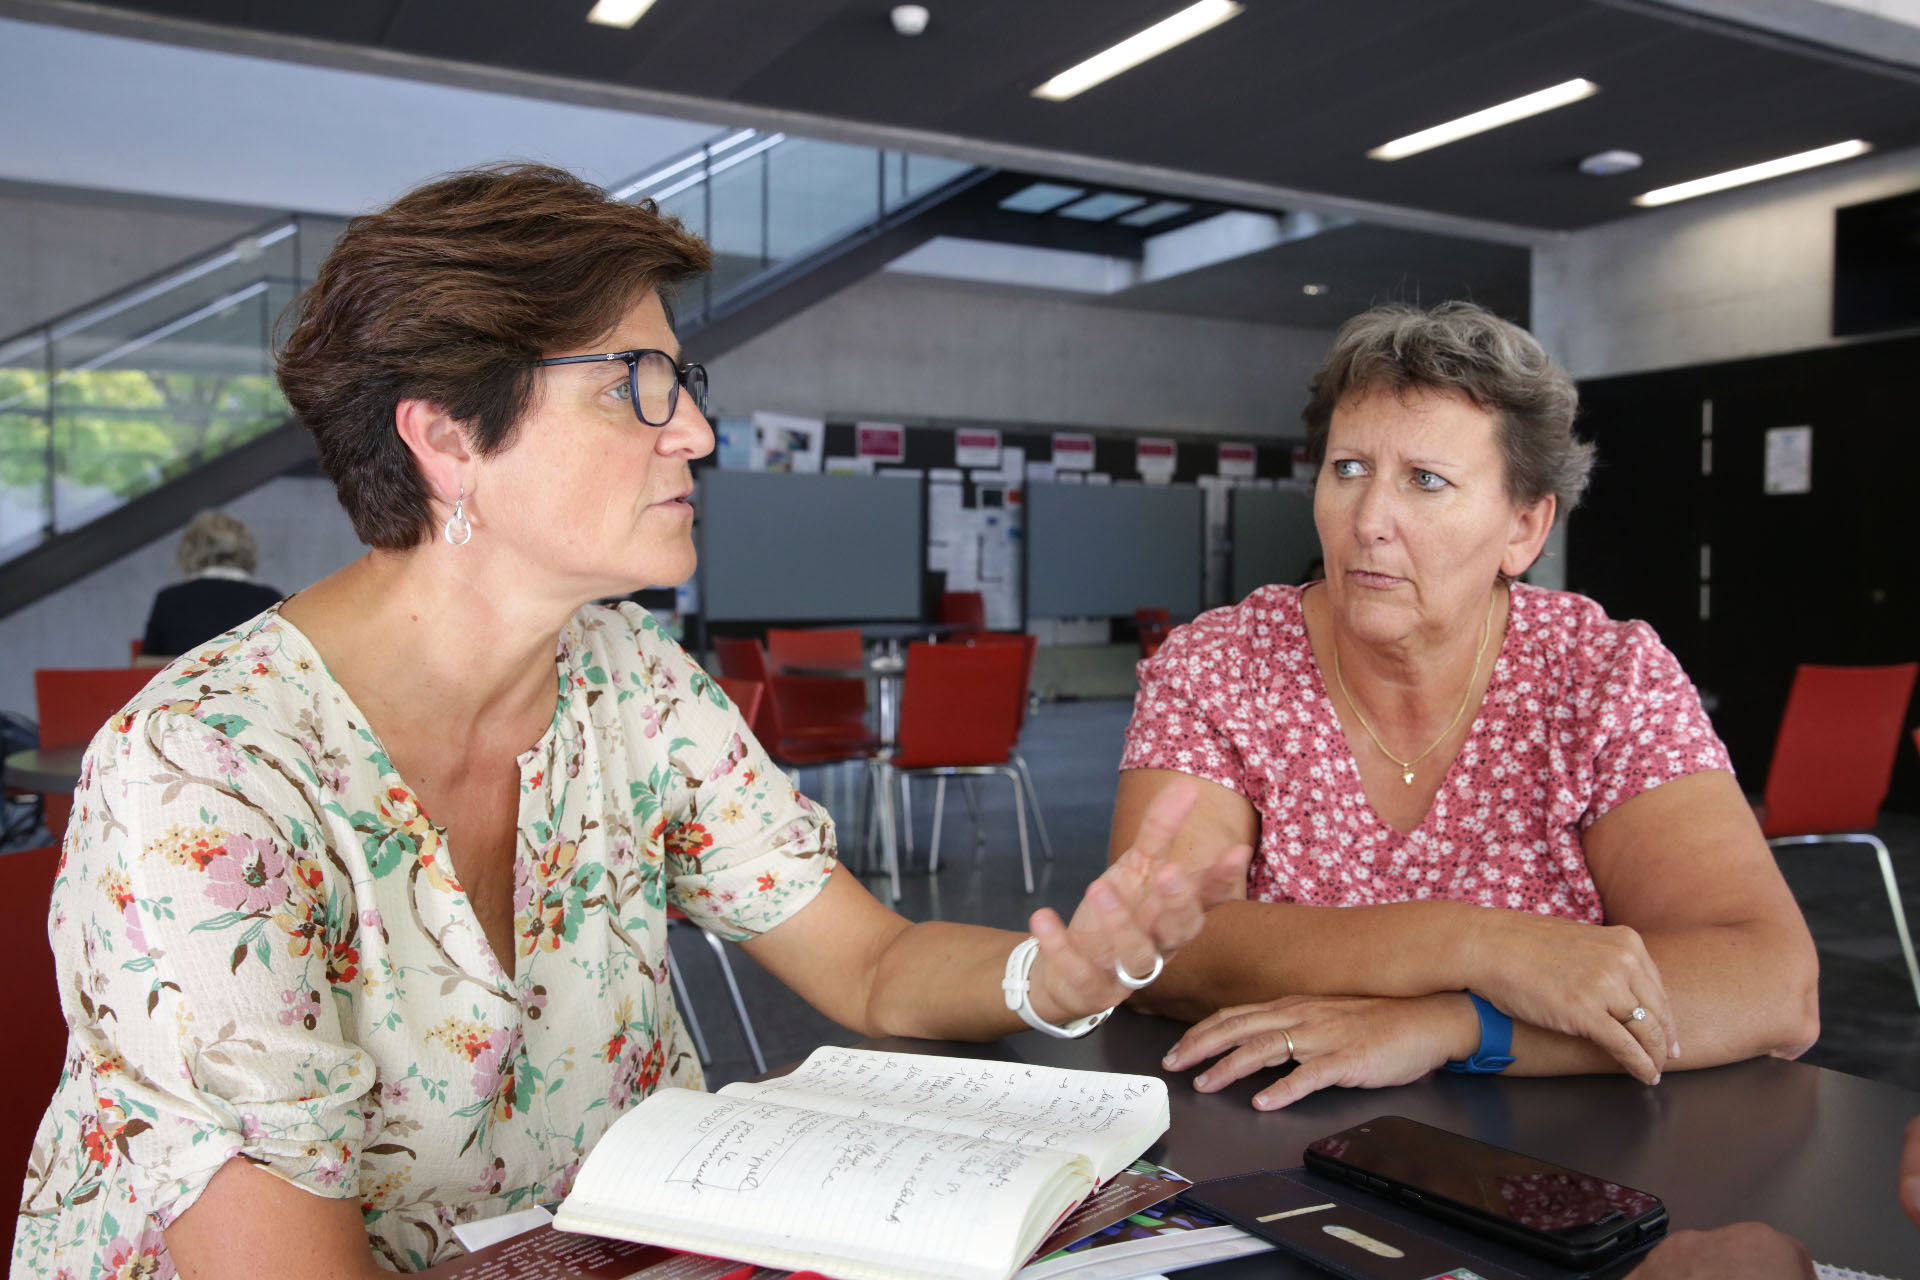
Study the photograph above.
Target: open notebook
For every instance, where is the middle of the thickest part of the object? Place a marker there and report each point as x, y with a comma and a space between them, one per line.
868, 1166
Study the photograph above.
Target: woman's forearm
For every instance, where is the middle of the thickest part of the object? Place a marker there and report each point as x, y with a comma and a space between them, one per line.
1254, 951
1738, 991
942, 981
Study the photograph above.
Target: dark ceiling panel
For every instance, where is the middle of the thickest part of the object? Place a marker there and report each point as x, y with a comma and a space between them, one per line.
1291, 93
346, 21
1356, 265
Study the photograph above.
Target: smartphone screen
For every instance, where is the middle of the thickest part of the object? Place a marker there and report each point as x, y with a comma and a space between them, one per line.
1569, 1215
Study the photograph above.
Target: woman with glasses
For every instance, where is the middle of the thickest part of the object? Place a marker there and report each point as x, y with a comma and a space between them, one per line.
361, 925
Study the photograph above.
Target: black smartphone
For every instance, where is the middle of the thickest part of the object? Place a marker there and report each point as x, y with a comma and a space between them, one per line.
1574, 1218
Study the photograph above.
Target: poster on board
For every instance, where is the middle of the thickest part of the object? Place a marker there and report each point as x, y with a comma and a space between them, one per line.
1155, 458
1238, 459
976, 447
1072, 451
881, 441
783, 442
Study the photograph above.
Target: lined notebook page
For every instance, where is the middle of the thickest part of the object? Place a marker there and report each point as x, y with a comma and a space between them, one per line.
1110, 1117
771, 1184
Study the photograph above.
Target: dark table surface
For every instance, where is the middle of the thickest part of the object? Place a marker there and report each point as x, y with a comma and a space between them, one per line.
45, 769
1810, 1151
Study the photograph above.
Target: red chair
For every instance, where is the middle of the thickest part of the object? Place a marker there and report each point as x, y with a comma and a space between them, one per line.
1154, 625
745, 695
966, 608
957, 719
819, 647
1029, 647
36, 1029
744, 659
1832, 762
72, 704
803, 721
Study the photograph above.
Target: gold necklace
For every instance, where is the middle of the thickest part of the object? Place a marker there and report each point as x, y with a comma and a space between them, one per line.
1406, 766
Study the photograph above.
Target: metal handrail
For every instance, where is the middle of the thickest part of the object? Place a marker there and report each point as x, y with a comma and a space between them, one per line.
182, 272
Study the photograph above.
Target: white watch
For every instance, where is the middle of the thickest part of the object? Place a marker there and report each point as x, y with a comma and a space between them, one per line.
1015, 986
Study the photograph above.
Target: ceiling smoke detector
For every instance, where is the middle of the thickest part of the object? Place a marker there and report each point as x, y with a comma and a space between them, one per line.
1313, 290
1602, 164
909, 19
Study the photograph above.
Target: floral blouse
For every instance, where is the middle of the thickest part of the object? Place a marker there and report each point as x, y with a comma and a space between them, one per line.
1583, 713
264, 951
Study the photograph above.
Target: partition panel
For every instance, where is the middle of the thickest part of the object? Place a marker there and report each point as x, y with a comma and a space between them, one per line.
1106, 550
784, 546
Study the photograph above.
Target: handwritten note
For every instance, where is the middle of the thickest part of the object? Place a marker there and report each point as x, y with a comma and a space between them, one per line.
1044, 1107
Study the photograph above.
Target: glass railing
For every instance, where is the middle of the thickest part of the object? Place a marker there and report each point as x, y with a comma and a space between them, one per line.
764, 200
110, 401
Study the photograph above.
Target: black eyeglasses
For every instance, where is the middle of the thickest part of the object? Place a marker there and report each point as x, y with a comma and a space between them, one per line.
653, 380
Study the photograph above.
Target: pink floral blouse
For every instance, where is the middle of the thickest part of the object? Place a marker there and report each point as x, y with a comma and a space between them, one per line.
1582, 713
264, 952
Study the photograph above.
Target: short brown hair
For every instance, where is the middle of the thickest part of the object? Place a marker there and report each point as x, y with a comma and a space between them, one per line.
1457, 346
447, 295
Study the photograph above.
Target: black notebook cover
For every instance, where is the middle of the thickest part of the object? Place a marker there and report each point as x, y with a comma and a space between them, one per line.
1362, 1237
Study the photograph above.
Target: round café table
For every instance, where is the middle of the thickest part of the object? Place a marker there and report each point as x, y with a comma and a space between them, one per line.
54, 769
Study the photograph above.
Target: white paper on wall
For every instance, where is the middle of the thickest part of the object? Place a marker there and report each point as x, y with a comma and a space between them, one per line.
1789, 460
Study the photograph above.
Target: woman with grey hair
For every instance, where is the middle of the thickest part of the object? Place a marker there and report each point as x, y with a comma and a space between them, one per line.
1494, 828
218, 554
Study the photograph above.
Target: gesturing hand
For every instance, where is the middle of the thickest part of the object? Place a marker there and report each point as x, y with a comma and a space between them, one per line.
1580, 980
1362, 1042
1142, 908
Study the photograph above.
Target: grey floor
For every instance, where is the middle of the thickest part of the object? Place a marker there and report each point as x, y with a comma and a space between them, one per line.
1870, 1022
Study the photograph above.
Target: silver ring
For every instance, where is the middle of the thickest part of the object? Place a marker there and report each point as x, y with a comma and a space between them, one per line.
1134, 984
1638, 1014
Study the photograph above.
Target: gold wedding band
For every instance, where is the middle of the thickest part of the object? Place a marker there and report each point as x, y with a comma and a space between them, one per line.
1289, 1040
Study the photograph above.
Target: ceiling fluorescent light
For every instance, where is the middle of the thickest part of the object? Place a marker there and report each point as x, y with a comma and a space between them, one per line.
618, 13
1755, 173
1481, 121
1136, 49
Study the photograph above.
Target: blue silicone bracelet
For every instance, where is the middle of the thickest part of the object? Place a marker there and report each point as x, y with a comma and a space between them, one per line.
1496, 1042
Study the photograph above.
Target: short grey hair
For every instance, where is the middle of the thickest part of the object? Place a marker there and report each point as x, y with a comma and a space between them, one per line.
1460, 347
216, 538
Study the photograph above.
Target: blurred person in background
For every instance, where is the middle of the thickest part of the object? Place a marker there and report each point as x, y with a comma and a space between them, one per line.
218, 554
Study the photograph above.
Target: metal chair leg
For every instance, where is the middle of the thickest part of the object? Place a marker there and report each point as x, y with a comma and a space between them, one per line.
971, 787
1887, 877
739, 1005
1033, 799
939, 812
906, 813
685, 1002
1020, 818
1899, 909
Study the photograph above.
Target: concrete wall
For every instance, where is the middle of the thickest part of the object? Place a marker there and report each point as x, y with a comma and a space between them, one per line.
303, 536
908, 348
62, 247
1745, 273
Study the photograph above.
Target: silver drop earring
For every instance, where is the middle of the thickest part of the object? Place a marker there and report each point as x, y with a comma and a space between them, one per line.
458, 530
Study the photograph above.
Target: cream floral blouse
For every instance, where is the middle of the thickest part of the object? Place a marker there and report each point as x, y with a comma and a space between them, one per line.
264, 951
